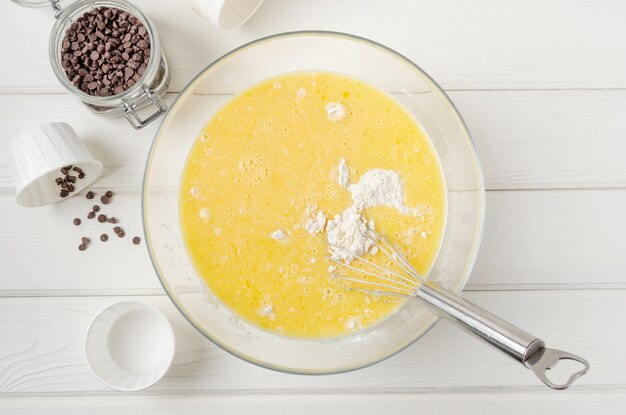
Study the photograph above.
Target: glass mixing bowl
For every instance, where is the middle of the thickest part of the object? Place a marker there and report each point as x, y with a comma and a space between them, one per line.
236, 71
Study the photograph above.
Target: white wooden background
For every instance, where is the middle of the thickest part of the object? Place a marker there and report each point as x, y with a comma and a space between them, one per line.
542, 87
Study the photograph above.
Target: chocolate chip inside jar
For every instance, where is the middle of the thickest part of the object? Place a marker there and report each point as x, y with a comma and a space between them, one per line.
105, 51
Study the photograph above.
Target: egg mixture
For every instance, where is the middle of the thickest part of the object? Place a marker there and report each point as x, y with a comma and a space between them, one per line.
267, 175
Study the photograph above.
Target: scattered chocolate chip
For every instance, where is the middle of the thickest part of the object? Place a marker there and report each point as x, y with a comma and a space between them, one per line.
102, 218
70, 188
71, 179
104, 200
64, 193
58, 180
64, 171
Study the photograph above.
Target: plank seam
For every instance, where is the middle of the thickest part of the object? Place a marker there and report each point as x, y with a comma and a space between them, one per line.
157, 292
540, 390
52, 90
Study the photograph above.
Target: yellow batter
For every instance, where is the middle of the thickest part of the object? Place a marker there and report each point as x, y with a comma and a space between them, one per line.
271, 153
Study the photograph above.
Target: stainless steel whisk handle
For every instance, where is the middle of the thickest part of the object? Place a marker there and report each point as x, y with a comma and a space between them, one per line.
522, 346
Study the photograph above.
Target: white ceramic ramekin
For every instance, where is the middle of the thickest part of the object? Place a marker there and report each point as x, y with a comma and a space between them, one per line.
129, 346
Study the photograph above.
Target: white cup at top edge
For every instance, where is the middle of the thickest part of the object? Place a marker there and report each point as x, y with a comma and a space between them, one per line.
226, 14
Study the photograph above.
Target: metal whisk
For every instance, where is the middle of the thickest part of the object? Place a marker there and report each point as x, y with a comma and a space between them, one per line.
527, 349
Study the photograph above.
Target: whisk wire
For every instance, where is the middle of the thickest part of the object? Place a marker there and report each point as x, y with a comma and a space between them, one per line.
385, 270
397, 284
395, 255
382, 277
377, 284
383, 293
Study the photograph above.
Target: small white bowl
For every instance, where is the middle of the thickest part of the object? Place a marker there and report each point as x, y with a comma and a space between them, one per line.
129, 346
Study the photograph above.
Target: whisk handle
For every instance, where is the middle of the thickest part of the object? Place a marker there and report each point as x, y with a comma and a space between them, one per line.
522, 346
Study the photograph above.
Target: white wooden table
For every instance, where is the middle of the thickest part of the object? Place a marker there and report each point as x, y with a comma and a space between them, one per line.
542, 87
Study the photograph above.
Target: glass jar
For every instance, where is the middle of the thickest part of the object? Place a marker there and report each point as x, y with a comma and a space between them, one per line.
145, 93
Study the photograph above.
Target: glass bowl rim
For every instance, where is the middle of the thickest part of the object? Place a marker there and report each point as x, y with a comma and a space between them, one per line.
301, 33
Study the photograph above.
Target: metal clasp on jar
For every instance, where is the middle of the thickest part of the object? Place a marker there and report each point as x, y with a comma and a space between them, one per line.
146, 98
55, 7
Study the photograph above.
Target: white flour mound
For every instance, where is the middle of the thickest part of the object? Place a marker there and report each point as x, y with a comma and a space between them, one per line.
347, 235
379, 187
278, 234
335, 111
347, 232
204, 214
344, 173
316, 224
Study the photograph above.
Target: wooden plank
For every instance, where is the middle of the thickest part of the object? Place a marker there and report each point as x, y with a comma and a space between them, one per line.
539, 239
513, 45
39, 247
526, 140
532, 239
543, 140
42, 350
122, 150
520, 403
